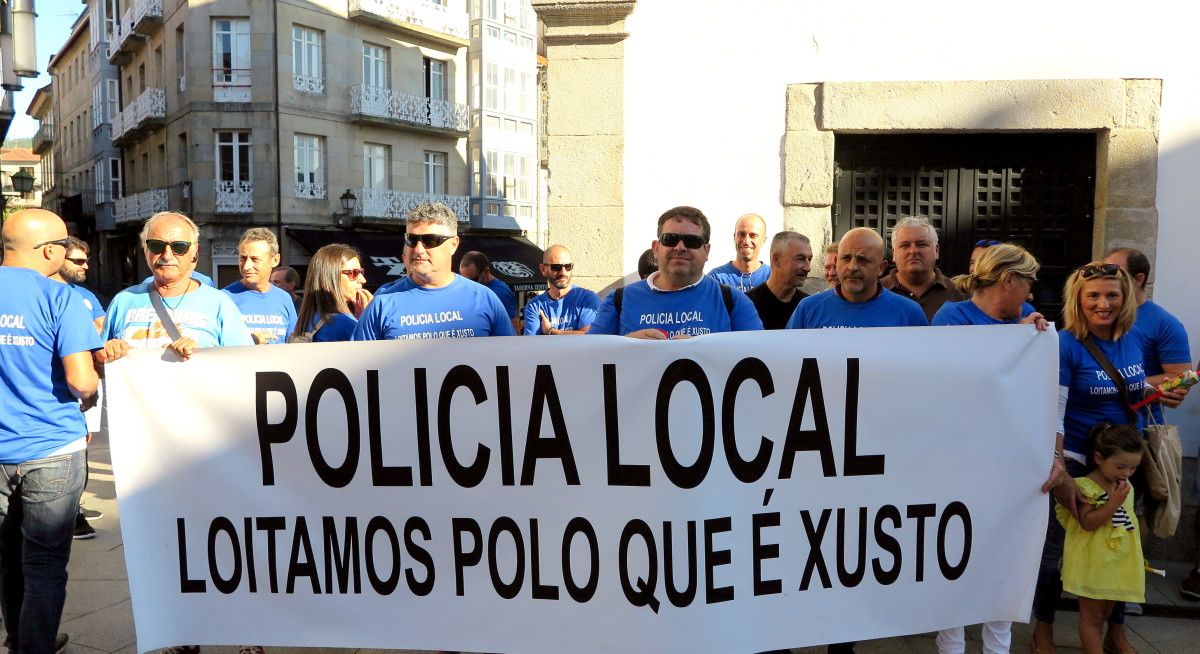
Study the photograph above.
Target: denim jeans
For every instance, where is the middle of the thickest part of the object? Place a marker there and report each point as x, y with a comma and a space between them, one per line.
38, 503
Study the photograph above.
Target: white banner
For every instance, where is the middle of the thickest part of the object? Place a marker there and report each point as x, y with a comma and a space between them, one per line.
729, 493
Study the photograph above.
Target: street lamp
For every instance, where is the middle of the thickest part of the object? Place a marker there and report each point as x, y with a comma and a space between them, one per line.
348, 200
22, 182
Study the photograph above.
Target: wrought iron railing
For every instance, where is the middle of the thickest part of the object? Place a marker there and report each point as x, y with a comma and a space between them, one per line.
151, 104
395, 205
415, 109
139, 206
234, 197
427, 14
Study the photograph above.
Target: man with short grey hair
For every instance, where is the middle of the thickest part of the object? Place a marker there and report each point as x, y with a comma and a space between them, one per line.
432, 301
268, 310
915, 252
776, 298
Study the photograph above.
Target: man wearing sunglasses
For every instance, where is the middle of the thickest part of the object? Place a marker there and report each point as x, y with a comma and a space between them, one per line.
190, 315
432, 301
677, 300
46, 344
915, 250
562, 309
267, 309
745, 271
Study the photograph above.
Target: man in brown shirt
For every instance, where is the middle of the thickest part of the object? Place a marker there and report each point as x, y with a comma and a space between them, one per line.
916, 276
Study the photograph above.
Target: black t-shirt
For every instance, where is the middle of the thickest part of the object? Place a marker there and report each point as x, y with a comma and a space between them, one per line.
774, 314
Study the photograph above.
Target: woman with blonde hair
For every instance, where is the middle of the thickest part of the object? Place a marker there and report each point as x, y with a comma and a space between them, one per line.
1099, 307
334, 296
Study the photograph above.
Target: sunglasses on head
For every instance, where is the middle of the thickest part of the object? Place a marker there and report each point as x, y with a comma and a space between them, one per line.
690, 241
559, 267
429, 241
178, 248
61, 241
353, 273
986, 243
78, 262
1104, 270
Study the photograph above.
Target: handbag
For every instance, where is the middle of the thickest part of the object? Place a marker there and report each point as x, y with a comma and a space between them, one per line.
1162, 467
308, 336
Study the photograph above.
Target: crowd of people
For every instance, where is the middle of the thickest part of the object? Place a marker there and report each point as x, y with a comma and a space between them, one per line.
55, 339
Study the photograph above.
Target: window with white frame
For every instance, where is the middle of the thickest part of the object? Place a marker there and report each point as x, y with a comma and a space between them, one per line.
375, 66
435, 79
114, 179
97, 105
308, 171
98, 179
492, 173
231, 60
473, 73
376, 157
435, 172
110, 20
491, 87
307, 72
233, 157
511, 91
112, 99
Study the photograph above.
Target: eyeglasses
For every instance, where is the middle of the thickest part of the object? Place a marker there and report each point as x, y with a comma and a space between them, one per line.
353, 273
559, 267
1105, 270
986, 243
178, 248
62, 241
430, 241
690, 241
78, 262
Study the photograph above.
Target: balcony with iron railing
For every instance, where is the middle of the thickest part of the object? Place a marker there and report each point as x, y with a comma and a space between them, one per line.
44, 138
308, 84
139, 206
372, 104
234, 197
138, 23
420, 18
148, 110
380, 204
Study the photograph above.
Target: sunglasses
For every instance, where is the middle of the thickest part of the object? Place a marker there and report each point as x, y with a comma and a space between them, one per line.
178, 248
559, 267
690, 241
353, 273
1103, 270
62, 241
78, 262
986, 243
429, 241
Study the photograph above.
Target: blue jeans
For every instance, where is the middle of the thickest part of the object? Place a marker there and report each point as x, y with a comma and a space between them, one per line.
38, 503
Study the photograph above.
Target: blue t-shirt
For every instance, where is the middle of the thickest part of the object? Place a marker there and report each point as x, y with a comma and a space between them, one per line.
339, 327
271, 315
968, 313
1091, 395
828, 309
461, 309
692, 311
506, 295
41, 321
206, 315
90, 301
734, 278
575, 310
1164, 340
196, 275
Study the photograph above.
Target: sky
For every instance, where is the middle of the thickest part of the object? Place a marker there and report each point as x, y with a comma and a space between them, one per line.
54, 20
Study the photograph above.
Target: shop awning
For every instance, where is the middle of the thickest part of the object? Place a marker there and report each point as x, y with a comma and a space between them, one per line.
514, 259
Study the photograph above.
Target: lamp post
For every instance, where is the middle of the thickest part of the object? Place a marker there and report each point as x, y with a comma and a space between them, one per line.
348, 201
22, 183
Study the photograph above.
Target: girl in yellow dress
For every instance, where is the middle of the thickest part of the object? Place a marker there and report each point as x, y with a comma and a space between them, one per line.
1102, 554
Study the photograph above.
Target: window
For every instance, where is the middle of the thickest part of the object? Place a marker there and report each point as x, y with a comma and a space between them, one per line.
474, 75
98, 178
307, 73
492, 173
180, 59
491, 9
435, 172
110, 20
97, 105
435, 79
233, 156
112, 99
231, 60
492, 32
114, 179
491, 84
375, 165
375, 66
308, 171
511, 92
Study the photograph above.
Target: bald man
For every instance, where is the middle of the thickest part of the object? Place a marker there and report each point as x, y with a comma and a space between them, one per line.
745, 271
46, 344
190, 315
563, 308
858, 299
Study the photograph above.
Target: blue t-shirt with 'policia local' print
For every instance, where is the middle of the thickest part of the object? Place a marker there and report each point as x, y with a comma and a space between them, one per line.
461, 309
691, 311
270, 314
41, 321
1091, 395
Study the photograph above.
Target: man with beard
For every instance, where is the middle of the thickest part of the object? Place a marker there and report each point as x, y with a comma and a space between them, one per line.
562, 309
776, 299
745, 271
916, 277
677, 300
